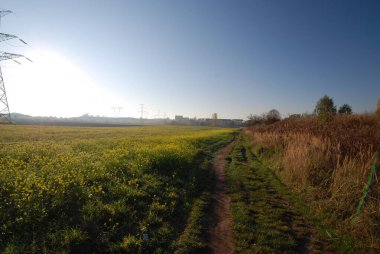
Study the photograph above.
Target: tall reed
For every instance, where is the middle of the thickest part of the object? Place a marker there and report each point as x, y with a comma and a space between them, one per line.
329, 164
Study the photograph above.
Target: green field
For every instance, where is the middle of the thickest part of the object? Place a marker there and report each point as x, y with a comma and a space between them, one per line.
115, 189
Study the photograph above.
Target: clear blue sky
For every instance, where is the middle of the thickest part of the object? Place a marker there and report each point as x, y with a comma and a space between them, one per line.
194, 58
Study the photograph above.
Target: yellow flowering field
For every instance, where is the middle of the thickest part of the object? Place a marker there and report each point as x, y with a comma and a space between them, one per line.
101, 189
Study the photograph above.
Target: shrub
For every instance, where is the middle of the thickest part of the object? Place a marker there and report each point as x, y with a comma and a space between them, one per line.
345, 109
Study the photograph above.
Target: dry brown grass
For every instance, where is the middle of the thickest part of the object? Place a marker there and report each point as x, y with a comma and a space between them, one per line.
331, 163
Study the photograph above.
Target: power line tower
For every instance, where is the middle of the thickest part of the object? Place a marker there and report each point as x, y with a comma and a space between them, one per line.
5, 114
116, 111
142, 111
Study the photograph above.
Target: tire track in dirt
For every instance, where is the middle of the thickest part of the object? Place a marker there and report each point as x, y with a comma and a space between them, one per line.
220, 239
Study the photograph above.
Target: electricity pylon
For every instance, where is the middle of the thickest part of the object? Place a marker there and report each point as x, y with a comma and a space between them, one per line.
117, 110
5, 114
142, 111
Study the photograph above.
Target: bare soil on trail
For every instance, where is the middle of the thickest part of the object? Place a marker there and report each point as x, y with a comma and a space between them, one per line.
220, 239
272, 223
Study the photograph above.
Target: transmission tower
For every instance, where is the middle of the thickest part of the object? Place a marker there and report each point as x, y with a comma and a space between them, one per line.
5, 114
142, 111
117, 110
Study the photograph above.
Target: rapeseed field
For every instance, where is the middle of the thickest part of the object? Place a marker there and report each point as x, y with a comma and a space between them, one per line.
104, 189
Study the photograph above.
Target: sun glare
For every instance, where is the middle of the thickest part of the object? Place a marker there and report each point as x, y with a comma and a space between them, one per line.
53, 86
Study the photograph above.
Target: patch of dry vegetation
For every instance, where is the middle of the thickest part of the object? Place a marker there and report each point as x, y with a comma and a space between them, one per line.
329, 164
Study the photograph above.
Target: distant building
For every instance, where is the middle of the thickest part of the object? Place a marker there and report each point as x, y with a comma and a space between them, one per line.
238, 122
226, 123
232, 123
182, 120
178, 118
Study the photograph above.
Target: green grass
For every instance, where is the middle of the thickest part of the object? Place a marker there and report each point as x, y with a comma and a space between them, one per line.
193, 239
339, 241
267, 217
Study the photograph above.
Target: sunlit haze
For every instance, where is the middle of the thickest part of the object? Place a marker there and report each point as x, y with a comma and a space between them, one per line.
53, 86
192, 58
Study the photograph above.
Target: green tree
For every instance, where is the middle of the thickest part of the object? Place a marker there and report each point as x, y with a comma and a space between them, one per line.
272, 116
378, 108
345, 109
325, 109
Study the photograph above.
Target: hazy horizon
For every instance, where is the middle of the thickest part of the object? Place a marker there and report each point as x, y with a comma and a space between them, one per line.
190, 58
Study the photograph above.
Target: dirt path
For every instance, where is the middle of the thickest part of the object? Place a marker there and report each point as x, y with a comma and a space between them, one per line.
220, 229
265, 218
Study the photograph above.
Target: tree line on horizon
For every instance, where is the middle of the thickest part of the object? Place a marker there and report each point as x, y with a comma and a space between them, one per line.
325, 110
